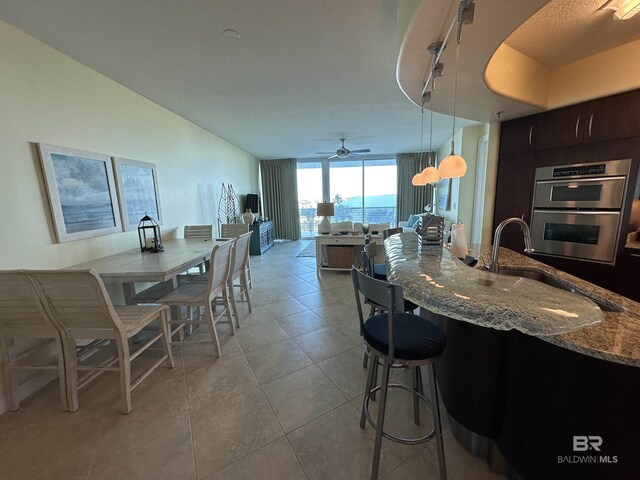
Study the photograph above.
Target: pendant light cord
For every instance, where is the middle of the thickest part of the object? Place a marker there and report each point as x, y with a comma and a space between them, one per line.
455, 94
431, 159
421, 158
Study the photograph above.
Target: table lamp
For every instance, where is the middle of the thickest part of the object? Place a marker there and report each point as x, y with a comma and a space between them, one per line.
325, 210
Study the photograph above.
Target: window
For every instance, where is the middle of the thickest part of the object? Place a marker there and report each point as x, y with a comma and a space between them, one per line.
361, 190
309, 195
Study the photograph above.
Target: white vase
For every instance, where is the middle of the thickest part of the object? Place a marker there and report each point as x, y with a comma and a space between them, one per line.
248, 217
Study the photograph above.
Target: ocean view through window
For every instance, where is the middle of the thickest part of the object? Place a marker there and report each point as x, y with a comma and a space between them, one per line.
361, 190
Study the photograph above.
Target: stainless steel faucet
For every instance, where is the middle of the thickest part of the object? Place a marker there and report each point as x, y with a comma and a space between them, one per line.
493, 265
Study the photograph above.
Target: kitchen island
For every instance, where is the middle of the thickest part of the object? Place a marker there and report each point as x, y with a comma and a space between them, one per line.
529, 366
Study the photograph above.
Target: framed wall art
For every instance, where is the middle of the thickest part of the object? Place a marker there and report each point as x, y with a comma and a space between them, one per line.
82, 192
137, 184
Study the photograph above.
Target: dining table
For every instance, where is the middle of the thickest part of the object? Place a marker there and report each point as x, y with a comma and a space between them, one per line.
134, 266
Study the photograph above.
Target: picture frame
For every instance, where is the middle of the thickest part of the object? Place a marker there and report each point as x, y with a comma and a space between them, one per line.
138, 192
81, 191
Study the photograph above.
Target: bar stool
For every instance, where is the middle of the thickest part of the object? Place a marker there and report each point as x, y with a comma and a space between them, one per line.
391, 231
397, 338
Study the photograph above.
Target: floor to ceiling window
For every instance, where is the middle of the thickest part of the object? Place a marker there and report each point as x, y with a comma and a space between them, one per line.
309, 194
361, 190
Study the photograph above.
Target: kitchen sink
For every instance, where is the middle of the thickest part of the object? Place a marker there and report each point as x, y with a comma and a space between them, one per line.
604, 304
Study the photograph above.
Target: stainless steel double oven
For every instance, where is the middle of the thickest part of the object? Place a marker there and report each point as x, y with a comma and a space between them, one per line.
577, 209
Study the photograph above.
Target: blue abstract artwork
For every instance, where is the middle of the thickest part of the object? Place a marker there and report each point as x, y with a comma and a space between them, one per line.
84, 191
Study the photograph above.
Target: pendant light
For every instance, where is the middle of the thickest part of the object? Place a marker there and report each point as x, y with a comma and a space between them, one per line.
417, 180
431, 174
454, 165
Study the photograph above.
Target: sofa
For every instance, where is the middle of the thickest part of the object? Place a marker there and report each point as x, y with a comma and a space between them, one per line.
415, 220
412, 222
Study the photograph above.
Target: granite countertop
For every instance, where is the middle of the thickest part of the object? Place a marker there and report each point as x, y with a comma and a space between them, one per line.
441, 283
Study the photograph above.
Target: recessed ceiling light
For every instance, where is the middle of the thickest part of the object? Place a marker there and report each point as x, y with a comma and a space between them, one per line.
230, 33
623, 9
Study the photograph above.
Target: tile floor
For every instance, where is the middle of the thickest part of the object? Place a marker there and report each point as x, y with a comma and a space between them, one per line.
282, 402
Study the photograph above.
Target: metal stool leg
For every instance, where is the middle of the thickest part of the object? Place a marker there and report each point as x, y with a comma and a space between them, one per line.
375, 376
384, 383
415, 373
365, 360
370, 376
435, 407
420, 384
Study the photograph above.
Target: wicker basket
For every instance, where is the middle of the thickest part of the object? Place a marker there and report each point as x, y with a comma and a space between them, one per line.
339, 256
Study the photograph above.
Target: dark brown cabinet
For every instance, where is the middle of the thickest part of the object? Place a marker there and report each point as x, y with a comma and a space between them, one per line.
561, 128
613, 118
602, 129
518, 135
609, 118
514, 188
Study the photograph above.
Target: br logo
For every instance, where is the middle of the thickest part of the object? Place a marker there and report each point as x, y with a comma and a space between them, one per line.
582, 443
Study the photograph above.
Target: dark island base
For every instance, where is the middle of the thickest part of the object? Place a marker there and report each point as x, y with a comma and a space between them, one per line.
530, 398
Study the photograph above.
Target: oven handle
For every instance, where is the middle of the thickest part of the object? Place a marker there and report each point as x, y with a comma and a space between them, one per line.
578, 212
582, 180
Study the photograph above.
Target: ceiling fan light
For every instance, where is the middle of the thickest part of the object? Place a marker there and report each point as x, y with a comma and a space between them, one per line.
624, 9
452, 166
416, 181
430, 175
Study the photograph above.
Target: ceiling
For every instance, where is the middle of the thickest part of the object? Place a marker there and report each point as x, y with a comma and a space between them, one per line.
305, 73
550, 34
568, 30
302, 74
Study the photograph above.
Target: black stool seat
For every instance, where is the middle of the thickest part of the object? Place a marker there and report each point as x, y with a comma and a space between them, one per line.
414, 337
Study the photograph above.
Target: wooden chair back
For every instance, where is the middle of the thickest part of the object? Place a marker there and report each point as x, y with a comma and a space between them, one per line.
219, 269
21, 311
198, 231
233, 230
77, 301
240, 254
391, 231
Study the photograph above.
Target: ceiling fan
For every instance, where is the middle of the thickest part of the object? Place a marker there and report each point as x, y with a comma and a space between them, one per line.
343, 152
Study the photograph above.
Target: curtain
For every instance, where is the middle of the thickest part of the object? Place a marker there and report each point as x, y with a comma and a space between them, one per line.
412, 199
280, 191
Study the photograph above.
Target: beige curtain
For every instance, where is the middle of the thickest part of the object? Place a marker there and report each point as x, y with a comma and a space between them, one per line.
280, 191
412, 199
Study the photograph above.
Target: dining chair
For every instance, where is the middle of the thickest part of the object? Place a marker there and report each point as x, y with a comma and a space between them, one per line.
398, 338
194, 295
78, 302
198, 231
239, 259
234, 230
22, 316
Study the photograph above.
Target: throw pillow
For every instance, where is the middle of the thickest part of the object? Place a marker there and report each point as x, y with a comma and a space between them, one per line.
413, 221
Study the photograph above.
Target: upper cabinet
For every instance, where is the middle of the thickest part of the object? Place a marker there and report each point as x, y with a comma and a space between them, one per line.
609, 118
613, 118
562, 127
519, 135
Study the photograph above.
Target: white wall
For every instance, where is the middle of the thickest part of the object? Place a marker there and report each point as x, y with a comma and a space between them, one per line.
463, 189
50, 98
